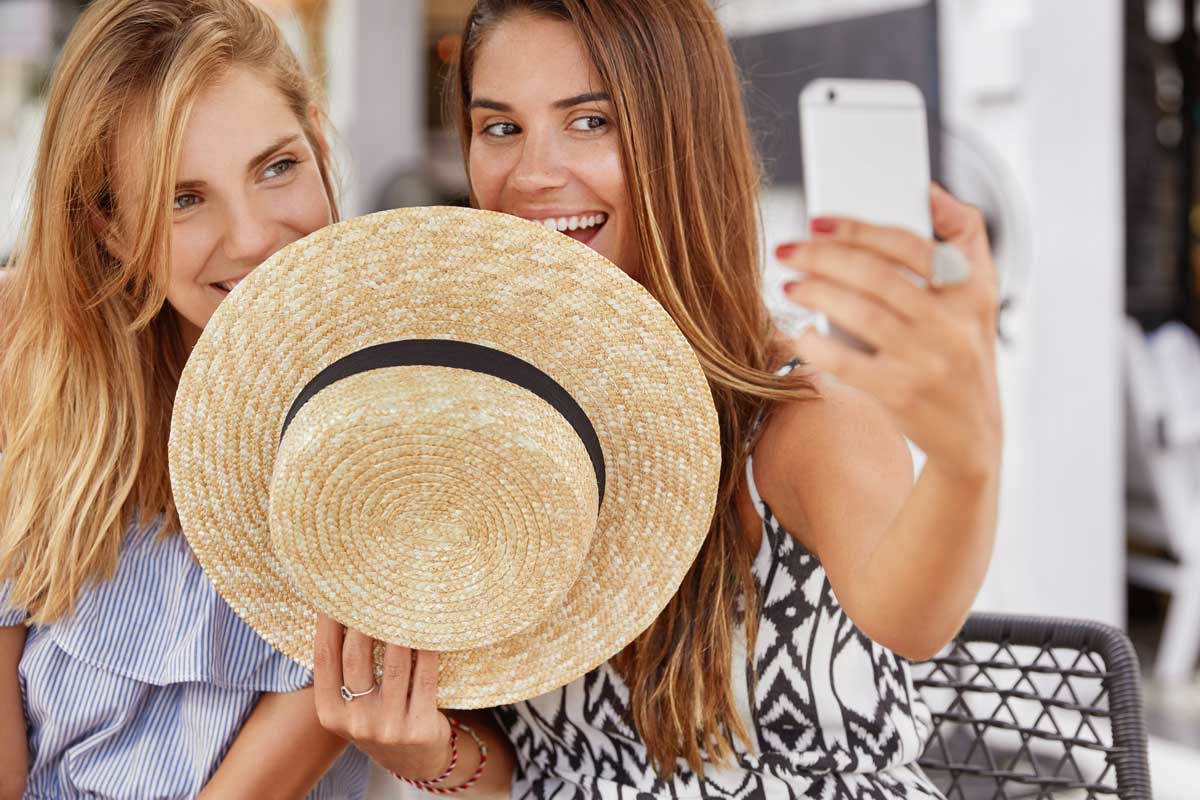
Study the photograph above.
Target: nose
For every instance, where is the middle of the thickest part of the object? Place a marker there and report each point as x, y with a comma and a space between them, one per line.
249, 234
541, 165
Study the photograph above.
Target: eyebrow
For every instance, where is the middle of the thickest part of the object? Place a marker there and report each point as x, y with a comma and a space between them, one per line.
261, 156
565, 103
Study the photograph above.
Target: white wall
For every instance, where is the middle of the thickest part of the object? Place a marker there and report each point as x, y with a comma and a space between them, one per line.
26, 29
376, 93
1040, 84
1074, 60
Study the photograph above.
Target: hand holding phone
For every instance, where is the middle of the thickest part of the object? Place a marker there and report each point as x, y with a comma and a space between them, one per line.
924, 312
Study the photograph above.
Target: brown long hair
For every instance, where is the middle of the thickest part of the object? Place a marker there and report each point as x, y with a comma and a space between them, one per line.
92, 353
693, 180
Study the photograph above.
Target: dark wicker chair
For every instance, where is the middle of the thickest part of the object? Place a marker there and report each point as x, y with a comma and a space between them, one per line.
1032, 707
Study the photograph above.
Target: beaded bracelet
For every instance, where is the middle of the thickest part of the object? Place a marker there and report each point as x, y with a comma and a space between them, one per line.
431, 785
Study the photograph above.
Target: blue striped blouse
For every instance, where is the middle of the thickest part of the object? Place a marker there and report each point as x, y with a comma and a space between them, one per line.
141, 691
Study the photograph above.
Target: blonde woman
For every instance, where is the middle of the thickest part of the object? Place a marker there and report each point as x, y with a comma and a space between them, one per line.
620, 122
182, 147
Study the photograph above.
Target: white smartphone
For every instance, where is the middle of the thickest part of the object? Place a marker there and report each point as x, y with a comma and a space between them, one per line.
865, 149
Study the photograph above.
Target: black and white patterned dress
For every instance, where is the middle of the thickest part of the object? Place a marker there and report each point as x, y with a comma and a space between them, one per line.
832, 714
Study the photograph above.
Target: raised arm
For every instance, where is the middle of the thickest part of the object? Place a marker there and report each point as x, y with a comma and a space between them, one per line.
905, 562
906, 565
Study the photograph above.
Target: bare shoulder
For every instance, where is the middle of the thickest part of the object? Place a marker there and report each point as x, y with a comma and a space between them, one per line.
834, 469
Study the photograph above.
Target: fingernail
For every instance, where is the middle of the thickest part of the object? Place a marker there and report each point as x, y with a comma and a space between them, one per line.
787, 287
823, 225
785, 251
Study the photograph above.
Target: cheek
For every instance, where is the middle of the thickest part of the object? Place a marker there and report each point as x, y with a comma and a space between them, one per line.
605, 177
307, 209
191, 245
187, 290
487, 177
608, 178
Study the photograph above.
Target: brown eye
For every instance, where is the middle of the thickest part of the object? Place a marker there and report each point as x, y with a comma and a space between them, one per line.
501, 129
592, 122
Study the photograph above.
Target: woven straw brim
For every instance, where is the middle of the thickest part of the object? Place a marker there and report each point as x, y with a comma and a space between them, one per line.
479, 277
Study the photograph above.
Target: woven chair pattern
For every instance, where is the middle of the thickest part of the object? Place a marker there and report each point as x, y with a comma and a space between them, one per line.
1032, 707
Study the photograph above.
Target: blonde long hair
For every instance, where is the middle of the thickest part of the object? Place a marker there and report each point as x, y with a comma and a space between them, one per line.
693, 180
90, 352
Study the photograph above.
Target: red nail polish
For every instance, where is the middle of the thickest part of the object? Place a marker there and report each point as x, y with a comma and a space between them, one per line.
823, 225
787, 287
785, 251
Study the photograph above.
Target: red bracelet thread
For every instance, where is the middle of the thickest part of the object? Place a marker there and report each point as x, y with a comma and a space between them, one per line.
431, 785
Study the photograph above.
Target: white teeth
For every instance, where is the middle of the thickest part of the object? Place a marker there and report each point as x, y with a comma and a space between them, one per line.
574, 223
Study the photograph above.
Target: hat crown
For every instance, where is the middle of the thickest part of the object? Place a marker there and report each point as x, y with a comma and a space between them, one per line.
390, 478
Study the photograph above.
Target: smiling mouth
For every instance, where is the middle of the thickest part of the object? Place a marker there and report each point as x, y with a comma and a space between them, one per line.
580, 228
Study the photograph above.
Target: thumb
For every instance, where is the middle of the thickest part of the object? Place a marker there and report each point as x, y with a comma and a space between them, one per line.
956, 221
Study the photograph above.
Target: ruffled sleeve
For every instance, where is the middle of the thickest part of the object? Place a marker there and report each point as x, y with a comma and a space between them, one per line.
160, 621
9, 616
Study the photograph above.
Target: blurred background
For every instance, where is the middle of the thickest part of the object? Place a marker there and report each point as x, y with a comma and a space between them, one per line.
1071, 123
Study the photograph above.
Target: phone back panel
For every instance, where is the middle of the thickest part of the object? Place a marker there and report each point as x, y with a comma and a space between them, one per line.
866, 152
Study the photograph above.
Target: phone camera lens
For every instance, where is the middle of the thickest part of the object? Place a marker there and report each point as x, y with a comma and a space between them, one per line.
832, 95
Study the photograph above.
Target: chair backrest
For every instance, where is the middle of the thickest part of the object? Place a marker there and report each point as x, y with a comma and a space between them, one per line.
1033, 706
1153, 395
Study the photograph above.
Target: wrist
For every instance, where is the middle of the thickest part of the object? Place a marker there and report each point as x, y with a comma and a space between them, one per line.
463, 770
449, 758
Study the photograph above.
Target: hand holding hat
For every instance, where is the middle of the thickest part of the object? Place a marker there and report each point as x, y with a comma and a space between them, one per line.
452, 430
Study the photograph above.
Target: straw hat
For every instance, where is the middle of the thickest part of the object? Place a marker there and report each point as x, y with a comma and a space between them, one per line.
450, 429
